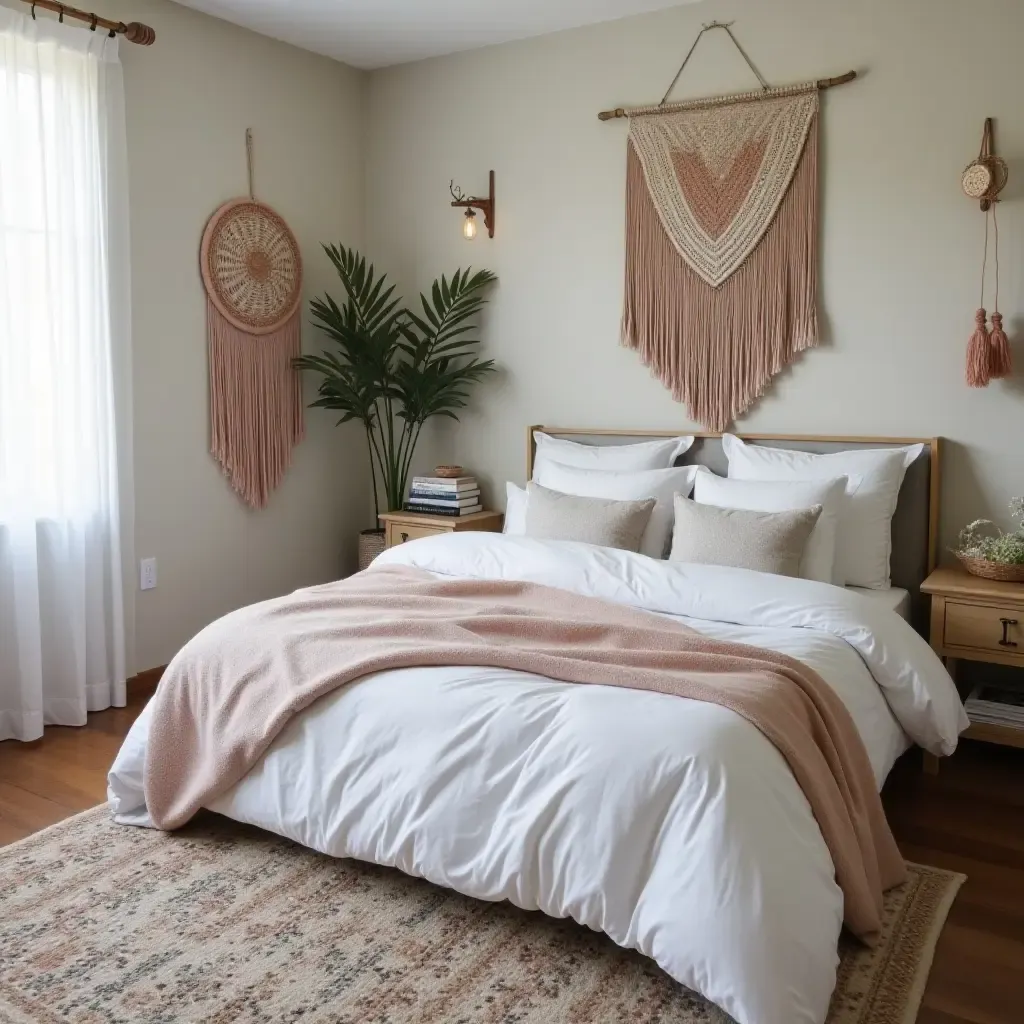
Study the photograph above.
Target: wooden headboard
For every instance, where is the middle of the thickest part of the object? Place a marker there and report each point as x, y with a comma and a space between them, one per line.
915, 525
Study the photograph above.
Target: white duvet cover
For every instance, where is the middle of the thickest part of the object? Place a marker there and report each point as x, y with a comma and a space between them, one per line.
671, 825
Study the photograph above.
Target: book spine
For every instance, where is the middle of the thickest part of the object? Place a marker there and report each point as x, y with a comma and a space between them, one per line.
438, 484
465, 493
422, 499
433, 510
440, 496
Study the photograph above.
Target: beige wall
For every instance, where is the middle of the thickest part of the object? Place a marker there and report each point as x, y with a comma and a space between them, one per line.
189, 99
901, 250
901, 245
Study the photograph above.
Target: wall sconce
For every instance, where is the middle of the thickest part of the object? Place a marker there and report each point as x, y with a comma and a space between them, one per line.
471, 205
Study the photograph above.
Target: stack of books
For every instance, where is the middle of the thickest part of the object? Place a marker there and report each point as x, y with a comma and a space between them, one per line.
444, 496
996, 705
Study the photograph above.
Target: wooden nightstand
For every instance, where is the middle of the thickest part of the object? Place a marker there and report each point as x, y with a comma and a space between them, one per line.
402, 526
975, 619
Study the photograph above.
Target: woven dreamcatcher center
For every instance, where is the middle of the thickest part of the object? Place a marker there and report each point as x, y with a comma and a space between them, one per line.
251, 266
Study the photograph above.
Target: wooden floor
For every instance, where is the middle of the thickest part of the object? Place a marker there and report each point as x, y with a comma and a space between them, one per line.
63, 773
970, 819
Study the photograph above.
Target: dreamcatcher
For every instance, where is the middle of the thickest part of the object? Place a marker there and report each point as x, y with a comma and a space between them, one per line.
252, 272
988, 353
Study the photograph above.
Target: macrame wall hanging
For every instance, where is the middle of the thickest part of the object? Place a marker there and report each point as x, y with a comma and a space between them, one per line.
252, 272
988, 352
722, 239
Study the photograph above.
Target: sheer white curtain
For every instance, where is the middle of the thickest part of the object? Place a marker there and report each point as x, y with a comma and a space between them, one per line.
64, 375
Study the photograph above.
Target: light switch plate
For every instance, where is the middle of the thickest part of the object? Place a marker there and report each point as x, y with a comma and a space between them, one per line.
147, 573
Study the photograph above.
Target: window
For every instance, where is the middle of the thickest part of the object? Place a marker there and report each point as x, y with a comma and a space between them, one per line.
63, 343
56, 409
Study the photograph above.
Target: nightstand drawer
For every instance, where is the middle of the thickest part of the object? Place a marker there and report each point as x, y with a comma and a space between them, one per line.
405, 526
985, 628
399, 533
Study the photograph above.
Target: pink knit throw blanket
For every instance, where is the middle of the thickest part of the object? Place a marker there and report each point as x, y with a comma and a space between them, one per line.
233, 688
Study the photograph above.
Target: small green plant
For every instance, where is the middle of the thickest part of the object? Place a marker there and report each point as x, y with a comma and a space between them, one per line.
977, 541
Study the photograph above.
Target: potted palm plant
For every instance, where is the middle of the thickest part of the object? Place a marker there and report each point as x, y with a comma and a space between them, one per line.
393, 368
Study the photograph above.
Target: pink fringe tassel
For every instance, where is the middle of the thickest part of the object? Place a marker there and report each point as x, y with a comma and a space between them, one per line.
256, 415
1000, 360
979, 371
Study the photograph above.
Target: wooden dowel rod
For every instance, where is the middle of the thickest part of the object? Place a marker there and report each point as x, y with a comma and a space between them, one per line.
822, 83
133, 31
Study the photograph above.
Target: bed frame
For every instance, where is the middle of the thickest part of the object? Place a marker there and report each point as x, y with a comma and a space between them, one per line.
915, 525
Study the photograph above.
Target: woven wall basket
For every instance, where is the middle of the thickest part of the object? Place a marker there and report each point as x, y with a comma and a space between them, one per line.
252, 271
993, 570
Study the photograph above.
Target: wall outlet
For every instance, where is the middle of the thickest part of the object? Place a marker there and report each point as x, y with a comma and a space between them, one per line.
147, 573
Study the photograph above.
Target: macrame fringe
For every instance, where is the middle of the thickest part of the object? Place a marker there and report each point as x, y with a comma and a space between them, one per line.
717, 349
979, 370
256, 415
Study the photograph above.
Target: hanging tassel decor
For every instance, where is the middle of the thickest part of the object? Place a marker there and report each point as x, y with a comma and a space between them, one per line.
1001, 363
988, 353
979, 372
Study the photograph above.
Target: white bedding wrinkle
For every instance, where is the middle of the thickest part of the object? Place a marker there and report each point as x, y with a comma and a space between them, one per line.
915, 683
895, 598
671, 825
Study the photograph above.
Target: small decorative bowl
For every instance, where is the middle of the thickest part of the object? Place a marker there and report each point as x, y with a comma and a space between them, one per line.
448, 472
993, 570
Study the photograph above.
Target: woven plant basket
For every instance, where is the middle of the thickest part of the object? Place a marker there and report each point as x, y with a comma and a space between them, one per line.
993, 570
371, 544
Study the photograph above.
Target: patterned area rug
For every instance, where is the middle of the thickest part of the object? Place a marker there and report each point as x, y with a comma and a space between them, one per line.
103, 924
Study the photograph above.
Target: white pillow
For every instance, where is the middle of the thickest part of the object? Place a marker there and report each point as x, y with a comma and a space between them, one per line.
627, 457
784, 496
874, 477
660, 484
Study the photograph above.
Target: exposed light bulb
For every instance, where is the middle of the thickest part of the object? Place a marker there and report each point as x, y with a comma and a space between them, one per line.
469, 226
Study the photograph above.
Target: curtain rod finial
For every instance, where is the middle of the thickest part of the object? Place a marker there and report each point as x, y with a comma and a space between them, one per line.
141, 34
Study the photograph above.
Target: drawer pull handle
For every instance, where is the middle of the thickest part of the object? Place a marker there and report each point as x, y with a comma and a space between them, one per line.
1006, 641
405, 537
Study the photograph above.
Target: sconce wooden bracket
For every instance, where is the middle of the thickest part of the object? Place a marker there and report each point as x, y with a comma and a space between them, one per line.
484, 205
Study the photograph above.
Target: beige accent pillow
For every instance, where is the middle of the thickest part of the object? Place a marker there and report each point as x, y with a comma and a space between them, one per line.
660, 484
551, 515
765, 541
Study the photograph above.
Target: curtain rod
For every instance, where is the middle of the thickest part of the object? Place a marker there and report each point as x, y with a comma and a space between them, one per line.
133, 31
654, 108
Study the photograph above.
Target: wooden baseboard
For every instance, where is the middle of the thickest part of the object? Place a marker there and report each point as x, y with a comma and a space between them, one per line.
145, 681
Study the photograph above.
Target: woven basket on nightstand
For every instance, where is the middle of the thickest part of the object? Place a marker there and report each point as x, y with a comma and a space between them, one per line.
371, 544
993, 570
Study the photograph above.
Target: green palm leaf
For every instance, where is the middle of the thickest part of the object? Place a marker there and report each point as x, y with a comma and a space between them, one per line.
393, 369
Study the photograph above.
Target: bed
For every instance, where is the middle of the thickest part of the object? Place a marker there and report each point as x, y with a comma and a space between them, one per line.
672, 825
